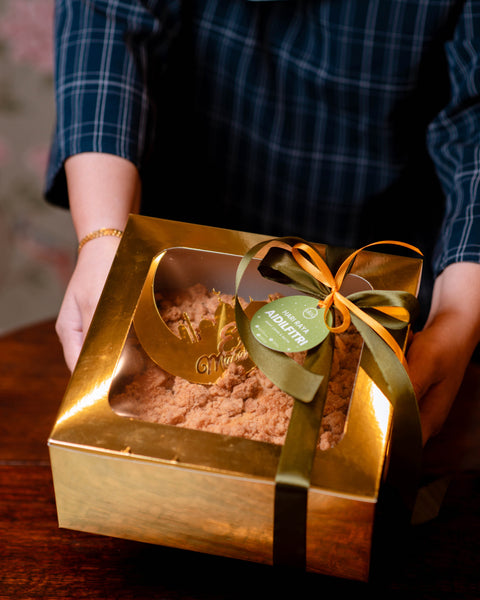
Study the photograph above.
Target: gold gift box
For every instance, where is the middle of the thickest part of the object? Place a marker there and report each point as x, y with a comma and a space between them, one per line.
202, 491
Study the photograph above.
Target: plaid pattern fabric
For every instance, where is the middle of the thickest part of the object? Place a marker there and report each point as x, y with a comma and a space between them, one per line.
343, 121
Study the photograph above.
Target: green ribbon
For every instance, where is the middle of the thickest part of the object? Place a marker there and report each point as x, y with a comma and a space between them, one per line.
308, 385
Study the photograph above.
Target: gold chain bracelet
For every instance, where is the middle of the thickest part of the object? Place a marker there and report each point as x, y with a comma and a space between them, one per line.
105, 231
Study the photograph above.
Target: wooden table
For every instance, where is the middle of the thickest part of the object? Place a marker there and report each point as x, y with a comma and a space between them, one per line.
39, 560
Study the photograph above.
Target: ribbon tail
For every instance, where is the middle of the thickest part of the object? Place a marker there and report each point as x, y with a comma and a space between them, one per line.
283, 371
383, 367
292, 480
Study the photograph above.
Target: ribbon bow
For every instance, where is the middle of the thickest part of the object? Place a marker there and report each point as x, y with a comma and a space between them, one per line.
373, 313
320, 271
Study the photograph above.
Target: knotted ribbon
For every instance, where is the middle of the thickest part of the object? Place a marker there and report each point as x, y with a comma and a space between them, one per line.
375, 314
320, 271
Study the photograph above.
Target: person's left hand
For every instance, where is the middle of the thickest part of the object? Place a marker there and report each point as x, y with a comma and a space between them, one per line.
439, 354
437, 360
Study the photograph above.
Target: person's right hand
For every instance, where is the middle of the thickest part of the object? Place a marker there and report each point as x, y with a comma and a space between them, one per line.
82, 295
103, 190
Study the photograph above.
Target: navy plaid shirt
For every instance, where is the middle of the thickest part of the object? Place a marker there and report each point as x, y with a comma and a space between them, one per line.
342, 121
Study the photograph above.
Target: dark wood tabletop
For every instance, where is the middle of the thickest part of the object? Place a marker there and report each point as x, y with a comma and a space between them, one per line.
40, 560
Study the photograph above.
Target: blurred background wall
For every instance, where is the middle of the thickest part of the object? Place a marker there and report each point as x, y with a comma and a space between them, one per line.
37, 242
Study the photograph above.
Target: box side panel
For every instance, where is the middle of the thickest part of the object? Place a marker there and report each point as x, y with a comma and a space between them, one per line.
339, 535
163, 504
203, 511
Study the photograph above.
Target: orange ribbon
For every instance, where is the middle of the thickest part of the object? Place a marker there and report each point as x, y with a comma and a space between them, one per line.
322, 273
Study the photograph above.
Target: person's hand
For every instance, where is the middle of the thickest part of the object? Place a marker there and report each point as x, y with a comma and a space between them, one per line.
439, 354
437, 360
102, 190
82, 295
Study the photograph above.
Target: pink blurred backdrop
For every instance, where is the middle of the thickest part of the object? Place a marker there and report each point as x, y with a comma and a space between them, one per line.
37, 244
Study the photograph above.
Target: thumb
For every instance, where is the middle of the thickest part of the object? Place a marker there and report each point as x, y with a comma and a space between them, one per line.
69, 328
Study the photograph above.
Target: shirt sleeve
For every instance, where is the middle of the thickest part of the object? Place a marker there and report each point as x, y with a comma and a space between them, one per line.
103, 56
454, 144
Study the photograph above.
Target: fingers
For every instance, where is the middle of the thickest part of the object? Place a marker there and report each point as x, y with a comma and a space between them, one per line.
71, 350
70, 327
436, 370
434, 409
82, 295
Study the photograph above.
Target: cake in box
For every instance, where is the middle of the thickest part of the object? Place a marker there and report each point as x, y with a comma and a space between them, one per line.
241, 402
161, 438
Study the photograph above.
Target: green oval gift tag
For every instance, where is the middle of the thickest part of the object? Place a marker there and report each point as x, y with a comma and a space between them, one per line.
290, 324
